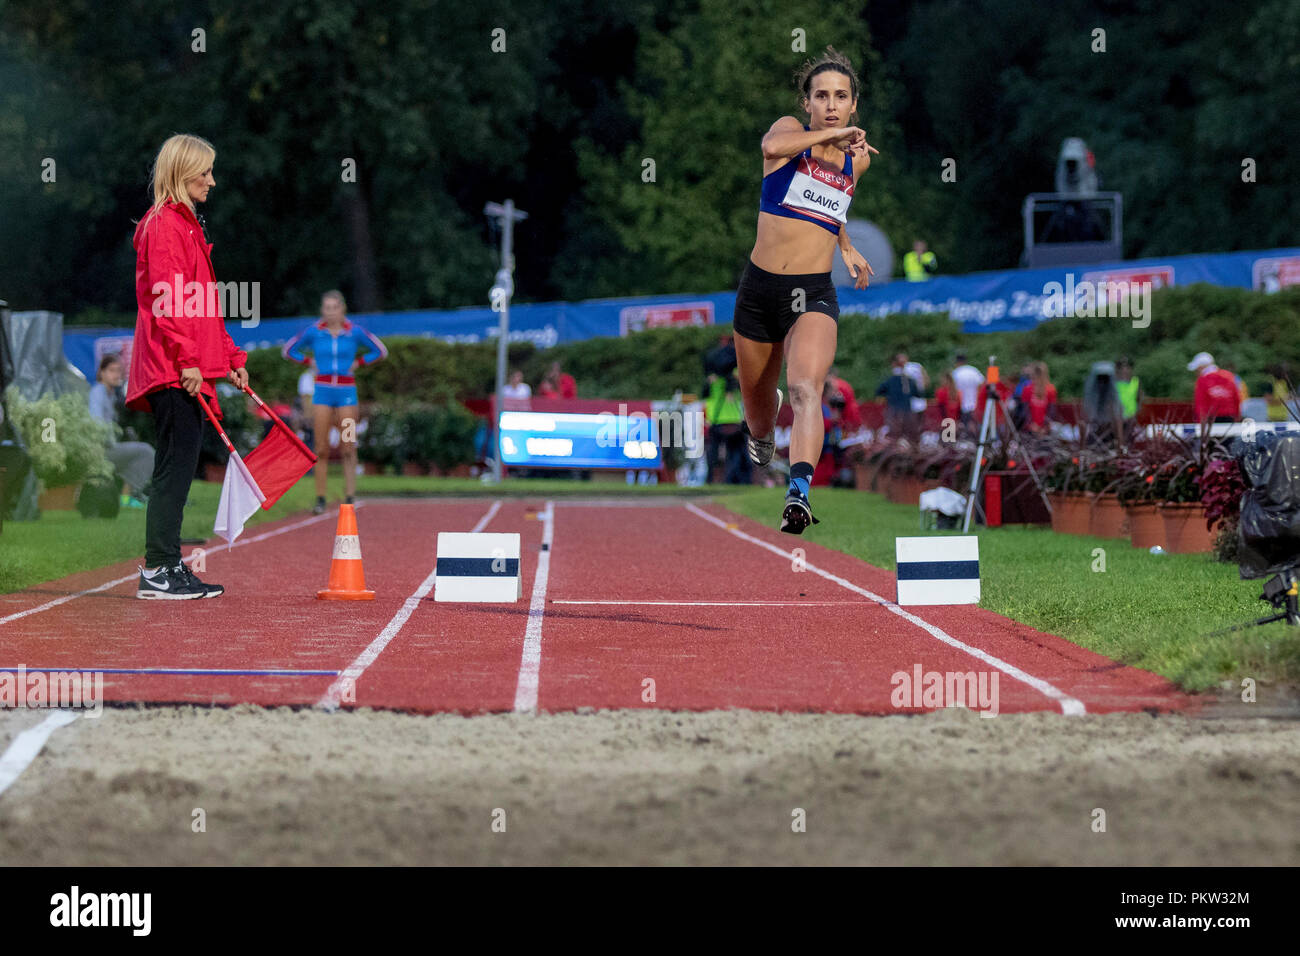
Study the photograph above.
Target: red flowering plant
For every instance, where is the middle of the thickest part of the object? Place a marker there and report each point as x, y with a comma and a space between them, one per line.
1221, 485
1059, 464
1184, 460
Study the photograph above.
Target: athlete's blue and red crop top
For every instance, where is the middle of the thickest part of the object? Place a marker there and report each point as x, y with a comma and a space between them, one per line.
334, 353
809, 190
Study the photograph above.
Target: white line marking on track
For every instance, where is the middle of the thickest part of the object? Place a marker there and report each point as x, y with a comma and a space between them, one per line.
131, 577
28, 744
348, 677
1069, 705
870, 604
530, 664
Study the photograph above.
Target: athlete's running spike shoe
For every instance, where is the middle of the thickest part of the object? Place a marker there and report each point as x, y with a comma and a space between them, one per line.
761, 449
797, 514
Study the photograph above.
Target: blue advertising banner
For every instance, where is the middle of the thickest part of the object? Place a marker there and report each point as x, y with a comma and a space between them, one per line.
982, 302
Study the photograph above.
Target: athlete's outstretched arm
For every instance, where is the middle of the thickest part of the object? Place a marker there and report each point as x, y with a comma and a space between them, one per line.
787, 138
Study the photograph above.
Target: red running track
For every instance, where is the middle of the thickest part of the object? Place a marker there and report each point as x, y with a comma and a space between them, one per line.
691, 605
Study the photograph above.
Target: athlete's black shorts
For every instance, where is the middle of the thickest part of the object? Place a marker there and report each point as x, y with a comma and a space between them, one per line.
768, 305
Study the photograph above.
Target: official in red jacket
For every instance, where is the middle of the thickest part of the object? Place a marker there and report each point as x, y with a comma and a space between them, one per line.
181, 348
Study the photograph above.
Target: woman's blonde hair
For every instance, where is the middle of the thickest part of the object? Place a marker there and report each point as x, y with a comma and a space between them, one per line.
182, 158
335, 294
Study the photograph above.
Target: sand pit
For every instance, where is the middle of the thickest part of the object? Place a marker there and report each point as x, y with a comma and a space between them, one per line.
284, 786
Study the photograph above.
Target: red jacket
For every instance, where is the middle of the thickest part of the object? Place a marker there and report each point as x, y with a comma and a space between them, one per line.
167, 245
1217, 394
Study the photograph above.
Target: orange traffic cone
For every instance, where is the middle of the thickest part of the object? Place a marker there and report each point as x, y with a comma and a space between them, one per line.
347, 580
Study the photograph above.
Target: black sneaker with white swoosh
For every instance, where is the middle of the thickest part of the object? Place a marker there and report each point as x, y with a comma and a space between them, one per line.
169, 584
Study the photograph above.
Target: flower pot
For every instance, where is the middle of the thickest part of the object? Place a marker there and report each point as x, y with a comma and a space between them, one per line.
1071, 513
1106, 518
1185, 531
413, 469
1146, 527
62, 498
214, 472
863, 475
905, 490
371, 468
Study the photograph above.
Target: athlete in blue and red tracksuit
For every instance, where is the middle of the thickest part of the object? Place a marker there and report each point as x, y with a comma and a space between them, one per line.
337, 349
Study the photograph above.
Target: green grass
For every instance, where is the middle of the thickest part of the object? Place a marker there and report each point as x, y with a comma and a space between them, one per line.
62, 542
1150, 611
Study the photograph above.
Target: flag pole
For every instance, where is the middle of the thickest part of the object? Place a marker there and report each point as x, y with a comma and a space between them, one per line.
215, 424
276, 418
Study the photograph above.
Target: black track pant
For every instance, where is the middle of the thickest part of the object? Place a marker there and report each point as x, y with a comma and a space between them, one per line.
179, 423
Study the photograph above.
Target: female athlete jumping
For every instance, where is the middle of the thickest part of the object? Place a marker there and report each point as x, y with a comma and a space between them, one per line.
334, 343
785, 306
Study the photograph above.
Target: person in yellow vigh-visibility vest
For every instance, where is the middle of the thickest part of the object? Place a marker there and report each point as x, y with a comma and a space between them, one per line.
919, 264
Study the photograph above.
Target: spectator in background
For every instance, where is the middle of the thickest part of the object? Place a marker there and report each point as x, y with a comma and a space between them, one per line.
1019, 407
516, 388
557, 384
898, 390
133, 460
917, 373
1218, 397
968, 380
851, 417
832, 419
947, 399
723, 415
1103, 415
726, 430
920, 263
1242, 390
1282, 404
1129, 388
1039, 399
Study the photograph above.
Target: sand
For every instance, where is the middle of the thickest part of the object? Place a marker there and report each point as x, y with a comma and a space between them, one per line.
285, 786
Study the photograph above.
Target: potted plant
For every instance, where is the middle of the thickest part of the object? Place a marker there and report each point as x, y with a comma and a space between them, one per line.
1133, 488
1070, 512
1222, 486
1176, 486
1106, 517
65, 441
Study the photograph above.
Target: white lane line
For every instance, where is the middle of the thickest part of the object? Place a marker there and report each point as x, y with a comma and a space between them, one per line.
346, 682
870, 604
530, 664
28, 744
131, 577
1069, 705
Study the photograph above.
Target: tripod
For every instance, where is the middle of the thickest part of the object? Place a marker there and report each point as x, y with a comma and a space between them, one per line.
992, 401
1282, 591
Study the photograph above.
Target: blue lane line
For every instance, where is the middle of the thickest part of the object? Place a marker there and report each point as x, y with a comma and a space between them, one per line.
182, 672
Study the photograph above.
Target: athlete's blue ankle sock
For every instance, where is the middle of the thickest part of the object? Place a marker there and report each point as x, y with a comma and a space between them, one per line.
801, 473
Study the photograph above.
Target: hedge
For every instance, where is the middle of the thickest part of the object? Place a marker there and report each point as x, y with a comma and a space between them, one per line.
1250, 329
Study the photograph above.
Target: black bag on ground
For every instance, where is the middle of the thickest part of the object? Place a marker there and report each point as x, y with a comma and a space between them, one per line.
1268, 533
100, 497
